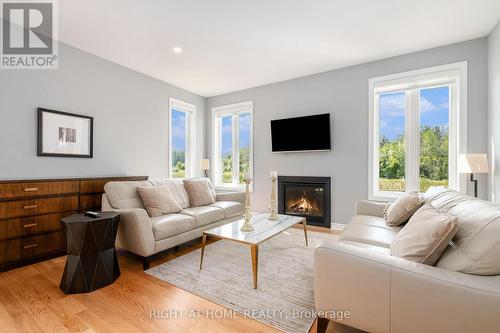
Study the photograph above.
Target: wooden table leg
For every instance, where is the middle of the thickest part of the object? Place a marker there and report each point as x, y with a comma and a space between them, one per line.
203, 243
254, 249
322, 325
305, 230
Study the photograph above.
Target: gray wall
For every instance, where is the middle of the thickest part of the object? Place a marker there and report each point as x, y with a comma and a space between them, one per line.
344, 93
494, 112
130, 113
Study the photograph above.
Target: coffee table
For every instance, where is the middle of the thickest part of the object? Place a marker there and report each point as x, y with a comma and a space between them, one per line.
264, 229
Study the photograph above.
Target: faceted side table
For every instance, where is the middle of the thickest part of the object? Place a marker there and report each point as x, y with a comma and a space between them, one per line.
92, 261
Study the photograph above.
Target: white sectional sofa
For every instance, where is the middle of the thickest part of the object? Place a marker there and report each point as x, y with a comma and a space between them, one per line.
383, 293
145, 236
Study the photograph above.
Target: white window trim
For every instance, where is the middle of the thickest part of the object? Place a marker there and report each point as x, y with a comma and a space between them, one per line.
454, 75
217, 112
190, 109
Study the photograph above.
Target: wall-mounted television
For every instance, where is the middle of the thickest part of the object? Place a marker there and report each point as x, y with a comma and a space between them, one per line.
309, 133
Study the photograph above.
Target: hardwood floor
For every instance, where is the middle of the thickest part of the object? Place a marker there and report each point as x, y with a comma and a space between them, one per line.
31, 301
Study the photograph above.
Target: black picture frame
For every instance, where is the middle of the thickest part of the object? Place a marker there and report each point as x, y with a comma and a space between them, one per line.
40, 152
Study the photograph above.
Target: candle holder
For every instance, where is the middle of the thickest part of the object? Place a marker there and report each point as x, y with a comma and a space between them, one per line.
247, 225
273, 215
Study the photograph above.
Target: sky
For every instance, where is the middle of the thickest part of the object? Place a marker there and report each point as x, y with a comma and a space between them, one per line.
227, 132
434, 111
179, 132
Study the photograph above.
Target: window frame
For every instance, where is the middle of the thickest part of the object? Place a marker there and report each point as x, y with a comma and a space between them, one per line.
234, 110
190, 110
452, 75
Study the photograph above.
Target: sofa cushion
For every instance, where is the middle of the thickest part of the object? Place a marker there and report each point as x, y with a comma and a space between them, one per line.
475, 249
176, 186
123, 195
204, 215
199, 191
374, 221
369, 230
425, 237
403, 208
231, 196
230, 208
170, 225
372, 248
158, 200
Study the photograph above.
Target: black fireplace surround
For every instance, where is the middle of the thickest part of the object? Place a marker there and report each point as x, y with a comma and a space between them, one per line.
306, 196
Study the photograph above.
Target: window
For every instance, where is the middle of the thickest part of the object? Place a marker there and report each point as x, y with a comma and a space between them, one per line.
182, 139
417, 128
232, 144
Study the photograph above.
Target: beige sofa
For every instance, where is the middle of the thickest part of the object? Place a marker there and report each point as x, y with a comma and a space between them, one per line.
145, 236
382, 293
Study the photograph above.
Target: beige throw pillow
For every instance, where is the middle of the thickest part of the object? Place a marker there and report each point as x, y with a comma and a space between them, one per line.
425, 237
199, 191
158, 200
403, 208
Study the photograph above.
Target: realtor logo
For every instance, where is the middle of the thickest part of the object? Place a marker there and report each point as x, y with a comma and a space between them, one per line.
29, 39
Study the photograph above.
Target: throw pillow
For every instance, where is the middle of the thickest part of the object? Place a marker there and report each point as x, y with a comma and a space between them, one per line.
212, 189
158, 200
199, 192
425, 237
403, 208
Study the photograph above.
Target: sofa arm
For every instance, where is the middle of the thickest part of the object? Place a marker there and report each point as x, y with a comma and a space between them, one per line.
385, 293
230, 196
353, 283
135, 231
372, 208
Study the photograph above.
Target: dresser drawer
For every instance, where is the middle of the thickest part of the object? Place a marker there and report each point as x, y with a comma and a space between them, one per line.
88, 186
90, 201
93, 185
31, 247
21, 208
29, 226
34, 189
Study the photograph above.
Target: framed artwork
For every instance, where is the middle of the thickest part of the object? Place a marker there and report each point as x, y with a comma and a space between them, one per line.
62, 134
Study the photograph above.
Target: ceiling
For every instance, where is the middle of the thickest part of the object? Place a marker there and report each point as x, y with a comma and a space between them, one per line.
229, 45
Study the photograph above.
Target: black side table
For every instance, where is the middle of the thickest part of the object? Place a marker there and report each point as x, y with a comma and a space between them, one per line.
92, 261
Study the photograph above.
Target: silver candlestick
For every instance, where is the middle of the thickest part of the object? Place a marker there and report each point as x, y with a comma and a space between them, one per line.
273, 215
247, 225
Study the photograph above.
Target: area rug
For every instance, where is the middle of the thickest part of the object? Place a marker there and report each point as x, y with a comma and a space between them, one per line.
284, 298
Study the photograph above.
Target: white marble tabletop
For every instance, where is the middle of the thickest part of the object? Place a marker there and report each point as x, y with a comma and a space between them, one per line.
263, 228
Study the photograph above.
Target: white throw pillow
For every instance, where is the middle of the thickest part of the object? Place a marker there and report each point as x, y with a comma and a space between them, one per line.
403, 208
199, 192
425, 237
158, 200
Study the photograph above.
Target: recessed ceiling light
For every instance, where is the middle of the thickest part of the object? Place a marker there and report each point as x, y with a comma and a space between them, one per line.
177, 49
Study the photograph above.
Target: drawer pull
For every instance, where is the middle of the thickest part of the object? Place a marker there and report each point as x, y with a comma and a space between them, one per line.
30, 246
30, 206
31, 225
31, 189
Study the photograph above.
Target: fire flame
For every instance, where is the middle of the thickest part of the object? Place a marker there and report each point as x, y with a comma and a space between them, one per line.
302, 205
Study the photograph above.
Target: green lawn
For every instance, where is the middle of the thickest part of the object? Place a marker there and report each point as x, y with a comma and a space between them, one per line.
178, 173
399, 184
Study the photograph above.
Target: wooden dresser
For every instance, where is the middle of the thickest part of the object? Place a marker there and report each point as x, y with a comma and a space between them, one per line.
31, 210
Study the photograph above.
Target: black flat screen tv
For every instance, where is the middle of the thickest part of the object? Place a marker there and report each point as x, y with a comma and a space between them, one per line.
309, 133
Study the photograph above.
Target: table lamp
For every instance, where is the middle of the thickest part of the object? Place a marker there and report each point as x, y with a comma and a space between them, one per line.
473, 163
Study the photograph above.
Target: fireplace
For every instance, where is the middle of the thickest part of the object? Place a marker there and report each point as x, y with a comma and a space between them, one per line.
305, 196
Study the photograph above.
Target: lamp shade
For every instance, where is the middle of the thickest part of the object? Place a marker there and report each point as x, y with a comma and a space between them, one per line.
205, 164
473, 163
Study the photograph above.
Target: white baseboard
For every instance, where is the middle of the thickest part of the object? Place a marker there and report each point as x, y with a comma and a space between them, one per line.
337, 226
